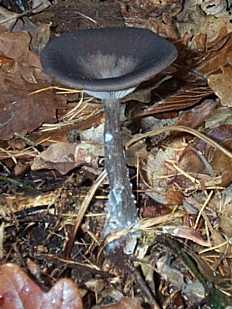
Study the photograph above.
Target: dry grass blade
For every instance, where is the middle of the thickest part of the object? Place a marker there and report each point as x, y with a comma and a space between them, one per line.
143, 225
77, 110
29, 152
89, 266
61, 90
87, 17
81, 112
147, 224
191, 131
13, 154
202, 209
214, 248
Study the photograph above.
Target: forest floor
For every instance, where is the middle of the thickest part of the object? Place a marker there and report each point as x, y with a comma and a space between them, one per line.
177, 131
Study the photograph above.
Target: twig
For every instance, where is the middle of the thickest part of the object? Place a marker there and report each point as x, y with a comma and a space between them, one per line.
144, 288
194, 132
76, 265
82, 211
202, 209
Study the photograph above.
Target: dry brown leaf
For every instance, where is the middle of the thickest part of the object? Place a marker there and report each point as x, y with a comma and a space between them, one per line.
221, 85
17, 290
222, 164
18, 202
186, 233
218, 54
181, 168
191, 161
213, 161
201, 29
160, 174
221, 116
219, 163
20, 74
196, 116
10, 45
23, 114
217, 66
226, 225
64, 157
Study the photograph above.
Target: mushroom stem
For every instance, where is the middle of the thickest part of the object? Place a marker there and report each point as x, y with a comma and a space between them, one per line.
121, 209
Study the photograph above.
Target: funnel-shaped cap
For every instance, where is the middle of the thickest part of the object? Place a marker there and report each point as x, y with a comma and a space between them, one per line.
107, 59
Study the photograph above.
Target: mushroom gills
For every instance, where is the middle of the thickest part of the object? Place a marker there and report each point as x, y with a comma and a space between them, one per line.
107, 95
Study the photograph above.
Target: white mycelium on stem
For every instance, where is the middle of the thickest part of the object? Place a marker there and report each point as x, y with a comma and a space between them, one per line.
121, 209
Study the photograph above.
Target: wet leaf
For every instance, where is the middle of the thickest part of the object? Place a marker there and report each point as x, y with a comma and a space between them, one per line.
18, 290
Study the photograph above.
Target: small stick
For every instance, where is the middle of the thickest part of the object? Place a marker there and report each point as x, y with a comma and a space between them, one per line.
82, 211
194, 132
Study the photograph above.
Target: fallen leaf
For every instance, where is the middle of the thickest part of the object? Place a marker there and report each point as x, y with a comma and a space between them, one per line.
186, 233
64, 157
197, 115
217, 161
21, 74
220, 116
221, 83
225, 225
180, 168
194, 23
24, 114
218, 54
221, 203
17, 290
160, 174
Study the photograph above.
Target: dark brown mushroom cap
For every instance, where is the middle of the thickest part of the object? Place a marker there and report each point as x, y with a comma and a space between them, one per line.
107, 59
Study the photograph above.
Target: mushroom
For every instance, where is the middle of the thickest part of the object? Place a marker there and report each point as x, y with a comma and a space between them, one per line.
109, 63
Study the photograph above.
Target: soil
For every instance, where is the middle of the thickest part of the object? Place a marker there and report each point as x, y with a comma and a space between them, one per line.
72, 15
